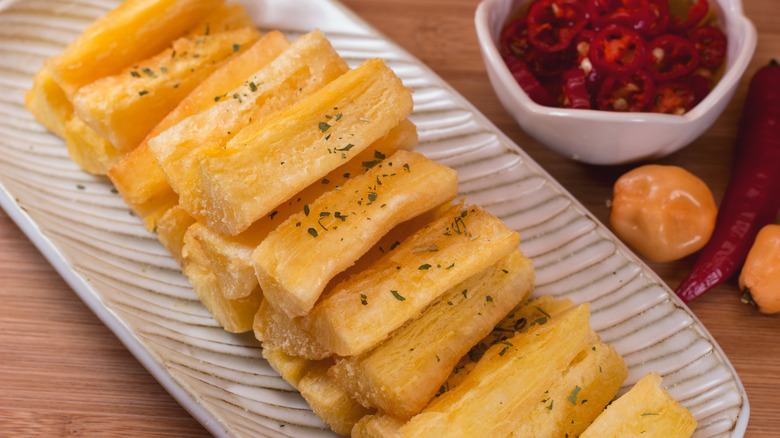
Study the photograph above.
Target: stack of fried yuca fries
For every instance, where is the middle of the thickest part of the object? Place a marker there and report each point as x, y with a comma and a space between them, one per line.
286, 185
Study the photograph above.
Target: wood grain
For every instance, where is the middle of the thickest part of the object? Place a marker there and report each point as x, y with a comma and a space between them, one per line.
62, 373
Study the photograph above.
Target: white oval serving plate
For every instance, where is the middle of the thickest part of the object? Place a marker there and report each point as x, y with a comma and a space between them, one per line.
125, 276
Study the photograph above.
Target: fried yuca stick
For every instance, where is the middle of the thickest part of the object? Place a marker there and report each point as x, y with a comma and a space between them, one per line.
111, 115
290, 368
123, 108
536, 311
151, 196
173, 226
578, 397
508, 381
377, 425
93, 151
104, 47
360, 312
235, 316
47, 102
304, 67
566, 408
266, 164
88, 149
329, 401
280, 332
225, 17
646, 410
298, 259
277, 331
430, 346
230, 257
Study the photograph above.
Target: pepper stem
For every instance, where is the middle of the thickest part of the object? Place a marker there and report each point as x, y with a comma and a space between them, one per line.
747, 298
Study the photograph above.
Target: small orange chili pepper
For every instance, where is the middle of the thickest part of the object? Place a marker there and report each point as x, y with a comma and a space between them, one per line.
664, 212
760, 276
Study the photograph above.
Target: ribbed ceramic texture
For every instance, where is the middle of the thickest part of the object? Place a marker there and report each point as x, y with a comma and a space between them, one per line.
83, 227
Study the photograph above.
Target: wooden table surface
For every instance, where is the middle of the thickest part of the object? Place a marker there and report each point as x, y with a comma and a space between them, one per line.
62, 373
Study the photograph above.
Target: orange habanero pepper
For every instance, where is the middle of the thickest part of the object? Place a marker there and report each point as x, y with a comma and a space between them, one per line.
664, 212
760, 276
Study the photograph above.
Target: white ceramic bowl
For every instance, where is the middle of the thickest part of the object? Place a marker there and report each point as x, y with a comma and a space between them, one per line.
606, 137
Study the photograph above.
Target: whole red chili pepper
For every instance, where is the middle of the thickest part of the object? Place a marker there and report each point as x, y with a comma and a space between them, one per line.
752, 198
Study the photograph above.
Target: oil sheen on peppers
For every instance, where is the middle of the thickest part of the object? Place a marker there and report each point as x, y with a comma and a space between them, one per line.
634, 55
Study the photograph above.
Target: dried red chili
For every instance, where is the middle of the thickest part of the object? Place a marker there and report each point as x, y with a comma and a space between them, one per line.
672, 98
630, 93
692, 17
553, 24
711, 44
617, 51
670, 57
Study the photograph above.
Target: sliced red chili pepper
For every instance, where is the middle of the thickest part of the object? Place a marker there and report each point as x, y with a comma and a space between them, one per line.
672, 98
514, 40
711, 44
553, 24
528, 82
700, 82
593, 82
606, 43
671, 56
633, 14
691, 17
617, 50
630, 93
575, 93
544, 64
661, 18
582, 44
584, 5
554, 87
